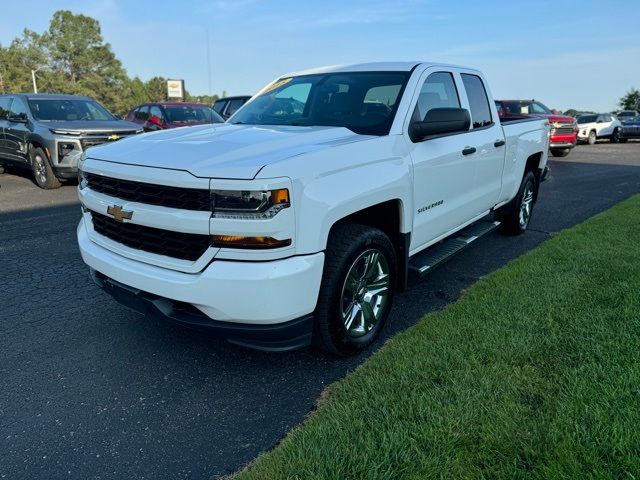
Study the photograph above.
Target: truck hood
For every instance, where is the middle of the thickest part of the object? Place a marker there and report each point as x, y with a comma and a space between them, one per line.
84, 126
222, 150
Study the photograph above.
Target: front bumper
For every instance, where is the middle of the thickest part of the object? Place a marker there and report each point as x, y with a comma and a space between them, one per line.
561, 145
227, 296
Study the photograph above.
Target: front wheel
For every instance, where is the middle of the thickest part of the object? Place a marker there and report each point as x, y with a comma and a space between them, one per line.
357, 289
42, 171
591, 139
516, 215
615, 136
560, 152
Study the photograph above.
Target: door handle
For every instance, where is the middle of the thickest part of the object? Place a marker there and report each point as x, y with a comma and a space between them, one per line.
468, 150
498, 143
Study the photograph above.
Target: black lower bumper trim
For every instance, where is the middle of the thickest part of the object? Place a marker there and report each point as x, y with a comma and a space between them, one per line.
65, 172
277, 337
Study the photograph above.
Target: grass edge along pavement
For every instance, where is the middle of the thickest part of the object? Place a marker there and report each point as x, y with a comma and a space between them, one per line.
533, 373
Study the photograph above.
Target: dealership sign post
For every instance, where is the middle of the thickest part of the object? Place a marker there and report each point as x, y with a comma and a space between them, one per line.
175, 89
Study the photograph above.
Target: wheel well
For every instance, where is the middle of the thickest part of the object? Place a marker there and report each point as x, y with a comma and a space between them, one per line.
385, 216
533, 165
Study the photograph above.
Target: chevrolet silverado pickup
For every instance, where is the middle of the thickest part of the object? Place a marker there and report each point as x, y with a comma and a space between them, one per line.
296, 221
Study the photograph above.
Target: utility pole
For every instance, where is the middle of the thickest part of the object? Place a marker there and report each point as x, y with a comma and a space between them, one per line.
33, 77
208, 60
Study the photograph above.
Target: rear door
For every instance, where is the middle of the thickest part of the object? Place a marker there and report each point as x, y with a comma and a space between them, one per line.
487, 138
5, 103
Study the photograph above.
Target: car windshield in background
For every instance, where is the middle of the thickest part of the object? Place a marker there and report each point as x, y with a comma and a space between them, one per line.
587, 119
525, 108
64, 110
191, 114
364, 102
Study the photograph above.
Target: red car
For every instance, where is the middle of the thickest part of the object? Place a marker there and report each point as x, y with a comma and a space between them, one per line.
564, 129
161, 115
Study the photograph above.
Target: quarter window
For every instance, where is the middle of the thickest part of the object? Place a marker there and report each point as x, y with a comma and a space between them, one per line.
478, 100
438, 91
18, 108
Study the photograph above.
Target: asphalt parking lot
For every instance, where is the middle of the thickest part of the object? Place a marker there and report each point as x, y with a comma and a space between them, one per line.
91, 390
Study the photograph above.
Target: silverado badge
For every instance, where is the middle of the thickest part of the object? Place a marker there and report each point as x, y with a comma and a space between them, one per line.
113, 137
118, 213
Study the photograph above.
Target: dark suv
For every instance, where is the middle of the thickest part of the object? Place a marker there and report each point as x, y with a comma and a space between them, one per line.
48, 133
229, 105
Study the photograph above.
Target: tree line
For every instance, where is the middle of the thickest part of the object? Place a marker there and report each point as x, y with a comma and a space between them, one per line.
72, 57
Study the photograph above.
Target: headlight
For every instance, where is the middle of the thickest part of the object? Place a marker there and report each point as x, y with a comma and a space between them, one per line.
82, 178
65, 148
260, 204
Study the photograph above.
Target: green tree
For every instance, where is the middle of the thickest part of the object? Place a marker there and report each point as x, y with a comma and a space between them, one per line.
631, 100
84, 62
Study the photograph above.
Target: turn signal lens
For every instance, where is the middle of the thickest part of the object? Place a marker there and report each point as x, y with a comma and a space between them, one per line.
237, 241
280, 196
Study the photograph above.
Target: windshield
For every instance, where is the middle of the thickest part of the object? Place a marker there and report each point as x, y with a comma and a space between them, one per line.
364, 102
192, 114
60, 110
586, 119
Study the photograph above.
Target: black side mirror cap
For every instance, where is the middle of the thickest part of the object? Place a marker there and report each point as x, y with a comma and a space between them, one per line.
17, 119
440, 121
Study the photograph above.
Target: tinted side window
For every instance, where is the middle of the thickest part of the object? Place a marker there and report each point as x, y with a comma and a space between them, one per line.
219, 106
234, 105
438, 91
4, 107
478, 100
142, 113
18, 108
156, 112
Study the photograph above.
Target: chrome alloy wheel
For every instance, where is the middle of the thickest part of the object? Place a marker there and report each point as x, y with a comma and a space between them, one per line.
526, 205
365, 292
40, 169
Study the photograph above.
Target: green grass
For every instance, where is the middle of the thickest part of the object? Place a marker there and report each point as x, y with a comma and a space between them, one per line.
534, 373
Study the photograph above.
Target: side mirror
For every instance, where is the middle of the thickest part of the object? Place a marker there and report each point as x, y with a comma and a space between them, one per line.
155, 120
22, 118
440, 121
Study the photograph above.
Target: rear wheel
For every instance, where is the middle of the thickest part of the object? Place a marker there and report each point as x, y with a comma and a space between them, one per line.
516, 215
357, 289
560, 152
42, 171
591, 139
615, 136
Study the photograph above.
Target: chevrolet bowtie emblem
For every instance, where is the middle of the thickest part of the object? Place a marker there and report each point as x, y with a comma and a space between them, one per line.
113, 137
119, 214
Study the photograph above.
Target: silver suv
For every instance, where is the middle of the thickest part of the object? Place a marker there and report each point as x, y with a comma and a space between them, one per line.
48, 132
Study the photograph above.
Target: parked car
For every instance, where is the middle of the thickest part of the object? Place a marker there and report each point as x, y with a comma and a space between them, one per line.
287, 226
564, 129
48, 132
162, 115
630, 129
601, 125
229, 105
626, 115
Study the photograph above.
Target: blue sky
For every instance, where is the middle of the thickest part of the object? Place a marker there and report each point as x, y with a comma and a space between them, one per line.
583, 54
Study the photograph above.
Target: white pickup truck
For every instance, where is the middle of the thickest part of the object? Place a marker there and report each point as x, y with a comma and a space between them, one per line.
296, 221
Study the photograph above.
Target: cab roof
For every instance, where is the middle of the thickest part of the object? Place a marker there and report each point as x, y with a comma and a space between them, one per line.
368, 67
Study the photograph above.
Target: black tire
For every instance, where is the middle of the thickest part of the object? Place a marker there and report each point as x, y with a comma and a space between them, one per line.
348, 246
560, 152
592, 138
1, 169
624, 140
42, 171
509, 214
615, 136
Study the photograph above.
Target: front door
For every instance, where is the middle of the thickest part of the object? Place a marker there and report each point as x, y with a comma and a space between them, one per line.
443, 175
16, 134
